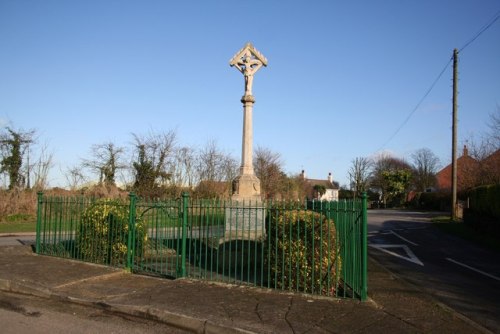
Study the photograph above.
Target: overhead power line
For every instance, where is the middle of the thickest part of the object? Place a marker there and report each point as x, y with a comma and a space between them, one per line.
485, 27
418, 104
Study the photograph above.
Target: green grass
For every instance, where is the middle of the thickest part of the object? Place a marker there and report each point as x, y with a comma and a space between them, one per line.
463, 231
18, 223
16, 227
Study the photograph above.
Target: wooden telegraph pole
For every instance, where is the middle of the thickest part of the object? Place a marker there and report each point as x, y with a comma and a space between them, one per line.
454, 140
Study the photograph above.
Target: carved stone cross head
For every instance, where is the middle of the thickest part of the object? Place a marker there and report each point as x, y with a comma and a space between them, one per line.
248, 61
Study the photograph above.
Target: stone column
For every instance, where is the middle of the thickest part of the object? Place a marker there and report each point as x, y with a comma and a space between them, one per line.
245, 218
247, 140
246, 186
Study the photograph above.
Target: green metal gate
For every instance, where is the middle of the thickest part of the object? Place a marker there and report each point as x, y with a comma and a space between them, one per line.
313, 247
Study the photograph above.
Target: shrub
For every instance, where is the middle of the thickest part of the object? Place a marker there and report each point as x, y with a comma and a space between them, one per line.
104, 231
485, 200
303, 253
437, 201
483, 213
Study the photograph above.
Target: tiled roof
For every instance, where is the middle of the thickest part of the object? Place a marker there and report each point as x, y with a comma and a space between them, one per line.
326, 183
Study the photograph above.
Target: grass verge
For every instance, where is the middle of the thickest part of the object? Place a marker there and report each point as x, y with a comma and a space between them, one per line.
18, 223
463, 231
16, 227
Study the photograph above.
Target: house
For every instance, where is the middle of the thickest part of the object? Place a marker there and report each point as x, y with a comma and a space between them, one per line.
331, 188
490, 168
470, 172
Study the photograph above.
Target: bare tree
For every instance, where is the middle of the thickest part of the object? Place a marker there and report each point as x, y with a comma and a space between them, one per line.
425, 164
359, 174
215, 170
485, 169
74, 177
41, 168
13, 145
181, 169
494, 125
268, 167
153, 155
106, 162
214, 164
229, 167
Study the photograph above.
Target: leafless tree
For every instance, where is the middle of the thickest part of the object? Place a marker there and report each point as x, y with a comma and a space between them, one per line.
486, 169
215, 170
268, 167
153, 154
215, 165
359, 174
494, 125
41, 168
181, 169
425, 165
74, 177
106, 162
229, 167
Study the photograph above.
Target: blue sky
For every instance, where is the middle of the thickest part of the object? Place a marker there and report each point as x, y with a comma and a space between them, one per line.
341, 79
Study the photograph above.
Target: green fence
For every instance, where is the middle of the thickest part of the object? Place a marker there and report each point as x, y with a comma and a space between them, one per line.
312, 247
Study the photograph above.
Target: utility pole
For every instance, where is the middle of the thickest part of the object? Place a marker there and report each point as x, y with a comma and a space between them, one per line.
454, 139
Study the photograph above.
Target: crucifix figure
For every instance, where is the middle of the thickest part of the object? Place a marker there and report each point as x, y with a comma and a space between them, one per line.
248, 61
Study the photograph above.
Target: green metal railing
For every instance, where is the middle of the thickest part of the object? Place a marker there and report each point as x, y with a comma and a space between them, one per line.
313, 247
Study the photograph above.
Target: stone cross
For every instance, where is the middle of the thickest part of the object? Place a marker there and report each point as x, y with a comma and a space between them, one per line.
248, 61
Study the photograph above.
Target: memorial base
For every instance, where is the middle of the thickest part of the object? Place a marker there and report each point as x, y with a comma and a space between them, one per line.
245, 220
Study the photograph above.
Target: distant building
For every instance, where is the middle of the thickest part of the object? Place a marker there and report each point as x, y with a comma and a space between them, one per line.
465, 167
470, 172
331, 188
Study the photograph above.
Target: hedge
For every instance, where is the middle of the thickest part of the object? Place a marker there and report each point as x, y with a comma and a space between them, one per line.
103, 233
483, 213
485, 200
303, 254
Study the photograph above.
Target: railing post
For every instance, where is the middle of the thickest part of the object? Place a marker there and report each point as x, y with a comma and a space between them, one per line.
185, 202
38, 220
131, 232
364, 250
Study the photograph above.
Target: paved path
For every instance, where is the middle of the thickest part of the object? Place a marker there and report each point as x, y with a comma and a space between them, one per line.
203, 307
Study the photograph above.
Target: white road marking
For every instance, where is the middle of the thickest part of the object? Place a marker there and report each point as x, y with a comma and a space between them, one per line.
410, 255
404, 239
474, 269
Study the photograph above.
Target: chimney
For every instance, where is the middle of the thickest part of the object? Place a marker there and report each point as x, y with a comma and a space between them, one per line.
330, 178
466, 151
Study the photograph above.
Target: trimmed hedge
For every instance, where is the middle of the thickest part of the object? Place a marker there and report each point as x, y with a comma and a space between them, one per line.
436, 201
104, 230
303, 254
485, 200
483, 213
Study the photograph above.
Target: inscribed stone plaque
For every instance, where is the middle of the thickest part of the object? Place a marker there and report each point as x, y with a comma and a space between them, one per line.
245, 222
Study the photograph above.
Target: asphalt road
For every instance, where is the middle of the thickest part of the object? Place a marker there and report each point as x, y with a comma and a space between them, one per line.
459, 274
28, 314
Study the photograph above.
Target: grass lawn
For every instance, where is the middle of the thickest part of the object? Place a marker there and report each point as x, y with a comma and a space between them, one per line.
465, 232
18, 223
16, 227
